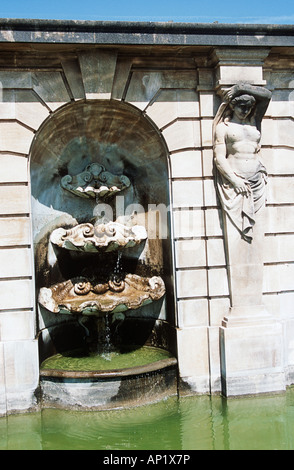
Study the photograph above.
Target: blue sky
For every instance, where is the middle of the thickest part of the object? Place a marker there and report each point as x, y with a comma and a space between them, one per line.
194, 11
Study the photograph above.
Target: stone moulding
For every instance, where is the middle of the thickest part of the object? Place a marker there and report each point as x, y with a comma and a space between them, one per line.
95, 183
103, 237
80, 296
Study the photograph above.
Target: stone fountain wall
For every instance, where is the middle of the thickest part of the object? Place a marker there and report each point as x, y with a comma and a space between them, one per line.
174, 90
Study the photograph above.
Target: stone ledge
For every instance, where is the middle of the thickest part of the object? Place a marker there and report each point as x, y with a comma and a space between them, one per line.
156, 33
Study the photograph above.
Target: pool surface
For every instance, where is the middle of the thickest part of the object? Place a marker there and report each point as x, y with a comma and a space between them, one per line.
191, 423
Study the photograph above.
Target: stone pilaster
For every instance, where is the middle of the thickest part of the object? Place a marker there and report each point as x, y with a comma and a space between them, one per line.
250, 338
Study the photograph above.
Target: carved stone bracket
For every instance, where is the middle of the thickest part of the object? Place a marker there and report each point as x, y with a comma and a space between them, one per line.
81, 296
103, 237
95, 182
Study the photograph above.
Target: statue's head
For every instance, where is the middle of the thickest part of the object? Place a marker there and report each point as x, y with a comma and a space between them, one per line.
242, 105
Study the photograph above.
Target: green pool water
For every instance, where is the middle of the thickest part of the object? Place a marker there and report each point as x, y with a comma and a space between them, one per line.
128, 357
191, 423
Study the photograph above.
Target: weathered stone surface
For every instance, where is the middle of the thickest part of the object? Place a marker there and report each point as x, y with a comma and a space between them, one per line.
99, 238
188, 223
186, 164
252, 360
74, 78
114, 295
14, 200
193, 312
16, 294
21, 360
17, 326
15, 262
15, 231
15, 138
95, 182
175, 85
183, 134
187, 193
190, 253
13, 168
98, 67
192, 342
51, 89
192, 283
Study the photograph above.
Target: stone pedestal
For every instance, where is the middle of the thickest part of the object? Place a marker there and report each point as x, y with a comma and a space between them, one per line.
250, 338
251, 356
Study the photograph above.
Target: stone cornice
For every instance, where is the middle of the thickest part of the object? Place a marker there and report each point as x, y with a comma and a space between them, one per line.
143, 33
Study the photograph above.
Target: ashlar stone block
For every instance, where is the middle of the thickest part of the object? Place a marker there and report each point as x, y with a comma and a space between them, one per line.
15, 326
230, 74
74, 78
218, 282
15, 79
279, 248
192, 312
207, 104
213, 222
98, 68
216, 252
191, 283
163, 110
278, 161
3, 407
190, 253
278, 277
29, 110
214, 359
252, 359
15, 262
21, 374
279, 219
14, 200
186, 164
188, 223
24, 106
122, 72
15, 231
187, 193
13, 168
193, 358
145, 85
219, 308
206, 132
51, 89
15, 138
183, 134
281, 190
15, 294
207, 158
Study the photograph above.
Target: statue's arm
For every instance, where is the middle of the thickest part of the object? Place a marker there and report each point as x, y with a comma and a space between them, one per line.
221, 161
262, 96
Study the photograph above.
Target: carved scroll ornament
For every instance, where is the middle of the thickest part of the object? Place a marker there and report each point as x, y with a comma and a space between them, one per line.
82, 296
103, 237
95, 182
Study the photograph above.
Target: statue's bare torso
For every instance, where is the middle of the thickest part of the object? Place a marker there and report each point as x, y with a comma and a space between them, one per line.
242, 145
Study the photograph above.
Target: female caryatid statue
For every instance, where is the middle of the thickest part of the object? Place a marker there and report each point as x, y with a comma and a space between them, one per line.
241, 187
240, 176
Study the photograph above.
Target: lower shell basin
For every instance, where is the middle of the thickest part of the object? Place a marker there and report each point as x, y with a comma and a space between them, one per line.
132, 359
141, 376
80, 296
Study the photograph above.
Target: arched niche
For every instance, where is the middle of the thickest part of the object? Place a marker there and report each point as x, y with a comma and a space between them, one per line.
118, 136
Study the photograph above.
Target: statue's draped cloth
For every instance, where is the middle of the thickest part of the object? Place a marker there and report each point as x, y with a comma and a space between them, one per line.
241, 209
